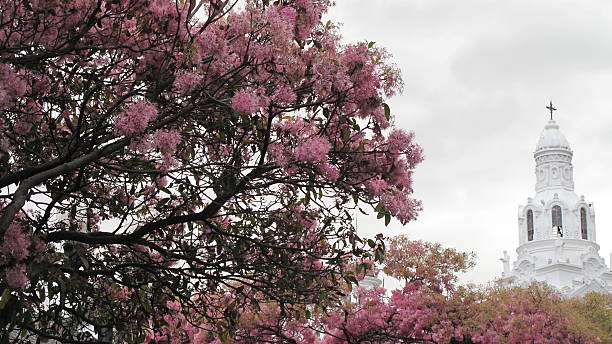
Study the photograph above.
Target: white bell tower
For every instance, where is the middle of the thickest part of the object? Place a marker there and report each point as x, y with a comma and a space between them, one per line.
556, 228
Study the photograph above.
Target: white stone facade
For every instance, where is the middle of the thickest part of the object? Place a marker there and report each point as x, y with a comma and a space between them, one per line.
556, 228
370, 281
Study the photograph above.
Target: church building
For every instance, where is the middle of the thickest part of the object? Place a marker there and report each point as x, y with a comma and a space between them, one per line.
556, 228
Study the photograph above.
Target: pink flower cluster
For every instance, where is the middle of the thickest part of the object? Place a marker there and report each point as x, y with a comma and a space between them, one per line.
284, 96
185, 83
136, 118
15, 245
310, 15
401, 206
245, 101
314, 149
16, 276
166, 141
293, 125
23, 127
377, 186
329, 171
278, 154
11, 86
212, 42
399, 140
282, 21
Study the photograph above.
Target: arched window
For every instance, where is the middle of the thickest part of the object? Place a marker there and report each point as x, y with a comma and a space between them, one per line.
557, 221
583, 224
529, 225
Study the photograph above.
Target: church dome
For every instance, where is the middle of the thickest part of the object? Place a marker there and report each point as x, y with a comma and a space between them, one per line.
552, 138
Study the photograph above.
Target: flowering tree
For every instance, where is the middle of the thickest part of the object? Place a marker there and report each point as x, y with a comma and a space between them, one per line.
535, 314
428, 308
161, 156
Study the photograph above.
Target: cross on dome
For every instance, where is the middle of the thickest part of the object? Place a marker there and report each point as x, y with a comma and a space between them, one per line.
551, 108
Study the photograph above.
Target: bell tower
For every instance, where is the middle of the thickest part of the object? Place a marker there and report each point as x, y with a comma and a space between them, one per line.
553, 158
556, 228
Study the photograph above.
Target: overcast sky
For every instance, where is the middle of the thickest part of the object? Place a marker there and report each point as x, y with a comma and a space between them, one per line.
478, 76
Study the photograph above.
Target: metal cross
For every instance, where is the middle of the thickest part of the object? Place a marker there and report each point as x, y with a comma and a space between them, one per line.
551, 108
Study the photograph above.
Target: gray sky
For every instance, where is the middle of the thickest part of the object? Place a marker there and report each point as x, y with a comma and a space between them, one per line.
478, 76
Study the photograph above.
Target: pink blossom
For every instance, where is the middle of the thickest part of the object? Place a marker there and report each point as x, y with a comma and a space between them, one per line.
399, 140
212, 42
15, 243
309, 16
185, 83
166, 141
42, 84
168, 162
162, 181
279, 154
136, 118
330, 172
142, 144
11, 86
293, 125
245, 102
289, 14
377, 186
281, 22
39, 248
120, 293
284, 95
401, 206
23, 127
15, 276
315, 149
378, 115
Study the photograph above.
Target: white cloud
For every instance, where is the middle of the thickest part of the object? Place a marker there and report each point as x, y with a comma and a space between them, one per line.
478, 75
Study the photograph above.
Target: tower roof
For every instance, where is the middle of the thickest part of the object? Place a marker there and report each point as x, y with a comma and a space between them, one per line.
552, 138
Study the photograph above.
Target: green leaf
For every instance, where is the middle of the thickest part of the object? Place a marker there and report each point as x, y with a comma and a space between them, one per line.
371, 243
380, 215
371, 44
379, 254
387, 111
387, 219
162, 202
6, 296
224, 337
83, 260
346, 134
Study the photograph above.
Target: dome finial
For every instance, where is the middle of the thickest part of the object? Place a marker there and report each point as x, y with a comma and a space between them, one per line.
551, 108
